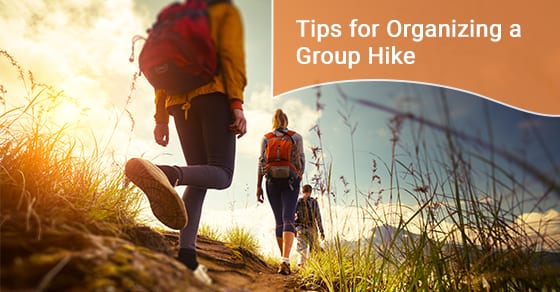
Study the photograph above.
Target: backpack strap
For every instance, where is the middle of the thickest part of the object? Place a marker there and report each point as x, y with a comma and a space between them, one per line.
291, 133
211, 2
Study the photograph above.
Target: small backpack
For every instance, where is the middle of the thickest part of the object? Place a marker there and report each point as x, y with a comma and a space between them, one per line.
278, 155
179, 54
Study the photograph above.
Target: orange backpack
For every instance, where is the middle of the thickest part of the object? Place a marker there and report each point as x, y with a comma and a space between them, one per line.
279, 153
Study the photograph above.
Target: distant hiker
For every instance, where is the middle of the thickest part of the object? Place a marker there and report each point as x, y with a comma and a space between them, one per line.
282, 162
308, 220
208, 119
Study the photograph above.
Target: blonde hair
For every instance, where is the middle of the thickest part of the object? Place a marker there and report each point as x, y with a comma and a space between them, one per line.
279, 120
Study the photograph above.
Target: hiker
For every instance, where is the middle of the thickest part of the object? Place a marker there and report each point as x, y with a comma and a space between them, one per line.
207, 120
282, 162
308, 220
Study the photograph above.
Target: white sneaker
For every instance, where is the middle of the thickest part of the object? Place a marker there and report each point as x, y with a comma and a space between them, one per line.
201, 274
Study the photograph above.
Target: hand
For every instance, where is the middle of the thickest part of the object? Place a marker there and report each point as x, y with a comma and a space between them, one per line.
161, 134
239, 125
260, 195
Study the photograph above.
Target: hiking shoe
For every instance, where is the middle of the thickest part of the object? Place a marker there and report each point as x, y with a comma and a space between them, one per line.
166, 204
201, 274
284, 269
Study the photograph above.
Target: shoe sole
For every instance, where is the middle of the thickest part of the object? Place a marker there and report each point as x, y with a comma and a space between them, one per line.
165, 203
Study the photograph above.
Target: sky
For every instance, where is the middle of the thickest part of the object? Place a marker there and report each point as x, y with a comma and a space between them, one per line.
83, 47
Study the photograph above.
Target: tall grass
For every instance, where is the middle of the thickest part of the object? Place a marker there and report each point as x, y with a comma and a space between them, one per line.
49, 179
209, 231
463, 234
242, 237
236, 235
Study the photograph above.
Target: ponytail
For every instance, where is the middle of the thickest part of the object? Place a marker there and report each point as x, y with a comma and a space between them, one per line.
279, 120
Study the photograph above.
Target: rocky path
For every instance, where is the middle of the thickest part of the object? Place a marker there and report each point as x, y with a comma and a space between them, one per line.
75, 261
235, 269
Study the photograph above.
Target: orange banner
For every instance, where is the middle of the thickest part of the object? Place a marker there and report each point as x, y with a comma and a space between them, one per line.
508, 51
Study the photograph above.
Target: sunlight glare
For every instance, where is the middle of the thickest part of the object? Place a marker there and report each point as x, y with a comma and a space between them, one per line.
67, 112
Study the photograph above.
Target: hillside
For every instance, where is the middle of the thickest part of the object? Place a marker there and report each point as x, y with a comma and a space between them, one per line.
73, 261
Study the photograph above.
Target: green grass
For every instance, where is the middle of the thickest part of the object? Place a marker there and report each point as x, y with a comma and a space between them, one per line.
210, 232
452, 240
236, 235
49, 179
241, 236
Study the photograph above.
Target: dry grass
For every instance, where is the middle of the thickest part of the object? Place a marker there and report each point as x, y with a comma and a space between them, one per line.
49, 178
461, 236
242, 237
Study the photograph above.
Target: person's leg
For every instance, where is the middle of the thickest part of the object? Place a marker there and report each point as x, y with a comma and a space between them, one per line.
192, 143
280, 243
214, 169
194, 199
207, 142
273, 193
288, 198
303, 245
289, 202
313, 241
209, 150
288, 242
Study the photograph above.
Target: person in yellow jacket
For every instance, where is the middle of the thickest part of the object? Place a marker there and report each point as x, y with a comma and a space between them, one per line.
207, 120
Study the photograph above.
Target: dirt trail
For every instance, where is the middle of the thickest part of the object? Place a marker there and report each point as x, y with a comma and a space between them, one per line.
143, 261
236, 269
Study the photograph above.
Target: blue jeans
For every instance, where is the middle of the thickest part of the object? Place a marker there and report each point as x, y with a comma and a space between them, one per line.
283, 196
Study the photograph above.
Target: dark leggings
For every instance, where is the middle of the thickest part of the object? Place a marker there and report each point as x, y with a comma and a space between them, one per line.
209, 149
283, 200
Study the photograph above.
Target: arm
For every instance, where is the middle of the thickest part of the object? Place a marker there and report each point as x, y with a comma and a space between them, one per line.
301, 153
231, 51
161, 130
318, 219
298, 212
260, 171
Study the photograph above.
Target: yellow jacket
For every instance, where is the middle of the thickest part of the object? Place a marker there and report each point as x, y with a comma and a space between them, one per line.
226, 30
